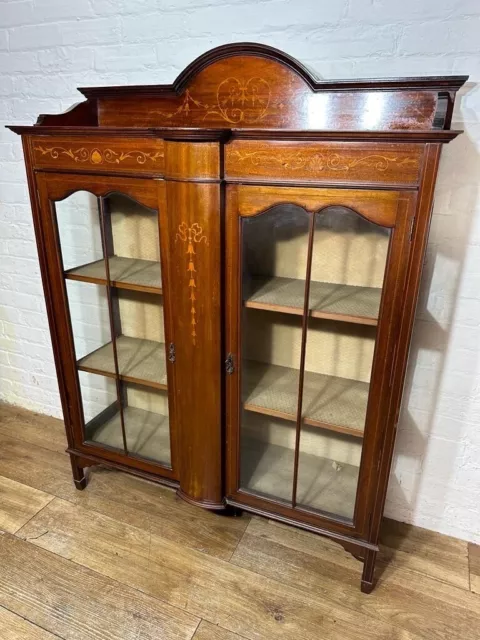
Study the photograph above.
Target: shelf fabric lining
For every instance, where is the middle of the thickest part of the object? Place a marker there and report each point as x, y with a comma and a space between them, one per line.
147, 434
141, 359
327, 400
325, 297
323, 484
142, 273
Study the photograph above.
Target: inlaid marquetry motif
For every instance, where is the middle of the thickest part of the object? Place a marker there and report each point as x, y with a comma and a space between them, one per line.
191, 236
99, 156
236, 101
322, 161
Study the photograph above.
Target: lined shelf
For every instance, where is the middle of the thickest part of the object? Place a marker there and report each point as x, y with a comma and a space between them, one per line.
147, 433
141, 361
328, 300
323, 484
125, 273
330, 402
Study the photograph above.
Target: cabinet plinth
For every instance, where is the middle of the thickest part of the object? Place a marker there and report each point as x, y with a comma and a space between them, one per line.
231, 265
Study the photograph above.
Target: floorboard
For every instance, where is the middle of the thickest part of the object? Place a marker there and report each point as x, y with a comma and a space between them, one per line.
14, 627
126, 559
424, 551
19, 503
75, 603
474, 557
423, 606
207, 631
28, 426
126, 498
237, 599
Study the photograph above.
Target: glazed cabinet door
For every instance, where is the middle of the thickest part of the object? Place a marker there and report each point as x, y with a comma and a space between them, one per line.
109, 290
314, 288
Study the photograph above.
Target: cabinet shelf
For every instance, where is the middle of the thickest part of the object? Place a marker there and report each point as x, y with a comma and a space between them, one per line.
342, 302
125, 273
147, 433
329, 402
323, 484
141, 361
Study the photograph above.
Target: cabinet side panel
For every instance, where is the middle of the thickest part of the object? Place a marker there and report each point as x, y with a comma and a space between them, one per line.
194, 241
419, 240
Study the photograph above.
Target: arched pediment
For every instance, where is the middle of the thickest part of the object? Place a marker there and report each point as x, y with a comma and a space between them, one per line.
247, 86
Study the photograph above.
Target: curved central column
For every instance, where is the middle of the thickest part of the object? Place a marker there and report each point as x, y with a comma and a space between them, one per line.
193, 204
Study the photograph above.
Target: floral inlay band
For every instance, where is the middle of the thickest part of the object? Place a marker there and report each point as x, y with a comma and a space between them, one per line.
322, 161
98, 156
191, 235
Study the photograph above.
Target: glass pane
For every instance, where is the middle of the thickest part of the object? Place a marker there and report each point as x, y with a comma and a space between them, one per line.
79, 232
101, 410
140, 343
146, 423
90, 321
273, 283
132, 239
267, 456
135, 253
348, 268
328, 465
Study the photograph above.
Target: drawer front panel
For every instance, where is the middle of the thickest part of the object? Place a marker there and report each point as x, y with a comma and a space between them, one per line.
124, 155
346, 162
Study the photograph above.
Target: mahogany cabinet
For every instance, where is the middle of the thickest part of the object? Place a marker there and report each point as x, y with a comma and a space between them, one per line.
231, 266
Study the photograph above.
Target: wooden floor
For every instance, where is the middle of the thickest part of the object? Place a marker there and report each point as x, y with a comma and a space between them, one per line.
128, 560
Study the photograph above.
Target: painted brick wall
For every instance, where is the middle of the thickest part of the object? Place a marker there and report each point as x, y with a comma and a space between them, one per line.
48, 47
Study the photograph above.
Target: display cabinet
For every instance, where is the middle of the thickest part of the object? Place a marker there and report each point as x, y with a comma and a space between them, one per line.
231, 266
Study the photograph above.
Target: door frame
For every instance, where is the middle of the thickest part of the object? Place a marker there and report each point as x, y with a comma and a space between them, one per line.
54, 187
393, 209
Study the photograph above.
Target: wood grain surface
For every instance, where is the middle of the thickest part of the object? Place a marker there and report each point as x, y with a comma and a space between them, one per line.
129, 560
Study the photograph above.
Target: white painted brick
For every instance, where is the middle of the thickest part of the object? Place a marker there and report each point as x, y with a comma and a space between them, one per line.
350, 42
435, 36
395, 65
19, 231
27, 111
66, 59
3, 40
19, 62
19, 248
125, 57
17, 13
468, 313
381, 11
29, 335
6, 151
13, 171
218, 18
467, 65
34, 37
45, 36
53, 10
13, 193
49, 47
6, 86
6, 113
50, 85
